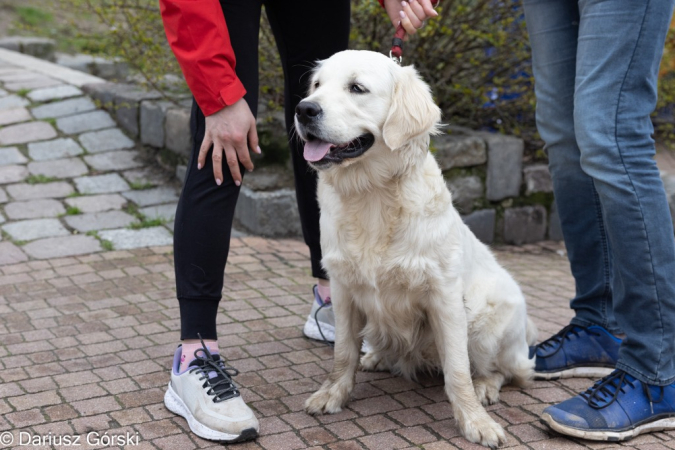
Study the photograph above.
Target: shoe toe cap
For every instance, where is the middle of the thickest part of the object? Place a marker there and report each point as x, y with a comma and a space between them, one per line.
566, 418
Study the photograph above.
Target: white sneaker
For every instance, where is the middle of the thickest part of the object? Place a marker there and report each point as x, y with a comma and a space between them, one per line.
205, 395
320, 323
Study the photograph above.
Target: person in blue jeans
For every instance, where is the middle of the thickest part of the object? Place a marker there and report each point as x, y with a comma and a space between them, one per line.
595, 66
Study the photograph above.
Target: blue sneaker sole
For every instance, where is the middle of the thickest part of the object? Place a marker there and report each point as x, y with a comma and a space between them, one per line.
575, 372
659, 424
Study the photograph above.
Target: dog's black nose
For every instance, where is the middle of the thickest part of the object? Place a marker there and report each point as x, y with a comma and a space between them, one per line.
307, 111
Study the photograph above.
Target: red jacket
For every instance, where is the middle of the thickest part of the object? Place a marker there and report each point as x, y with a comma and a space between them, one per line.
198, 36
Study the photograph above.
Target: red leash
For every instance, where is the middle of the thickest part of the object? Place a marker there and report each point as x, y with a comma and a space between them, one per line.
396, 52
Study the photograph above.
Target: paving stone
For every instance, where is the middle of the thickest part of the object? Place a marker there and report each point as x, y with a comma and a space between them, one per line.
524, 225
259, 212
537, 179
25, 191
79, 123
154, 196
11, 155
166, 212
58, 168
3, 93
465, 190
97, 203
504, 169
39, 47
101, 184
181, 171
554, 227
482, 224
101, 67
63, 108
11, 254
104, 93
33, 83
177, 131
34, 209
12, 174
115, 160
459, 149
14, 115
60, 247
124, 239
54, 93
3, 196
2, 220
54, 149
153, 115
26, 132
152, 175
28, 230
105, 140
13, 101
99, 220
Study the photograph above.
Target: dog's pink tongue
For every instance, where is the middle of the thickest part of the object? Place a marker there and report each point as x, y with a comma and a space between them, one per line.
315, 150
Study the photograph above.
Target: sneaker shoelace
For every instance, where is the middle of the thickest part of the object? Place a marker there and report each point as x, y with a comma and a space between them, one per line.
555, 342
318, 324
605, 392
218, 376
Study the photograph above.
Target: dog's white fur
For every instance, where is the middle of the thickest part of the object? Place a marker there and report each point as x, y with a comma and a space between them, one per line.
405, 272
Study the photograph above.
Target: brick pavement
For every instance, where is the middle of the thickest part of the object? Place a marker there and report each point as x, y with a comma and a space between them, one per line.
86, 343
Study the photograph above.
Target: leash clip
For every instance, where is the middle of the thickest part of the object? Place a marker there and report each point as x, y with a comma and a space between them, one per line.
397, 59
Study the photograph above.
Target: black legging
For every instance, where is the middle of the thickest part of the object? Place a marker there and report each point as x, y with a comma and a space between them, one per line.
305, 31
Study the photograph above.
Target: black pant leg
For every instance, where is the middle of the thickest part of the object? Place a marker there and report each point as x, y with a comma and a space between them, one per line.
205, 210
306, 31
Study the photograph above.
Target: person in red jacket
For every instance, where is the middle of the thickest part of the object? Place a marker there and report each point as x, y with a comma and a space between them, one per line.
216, 45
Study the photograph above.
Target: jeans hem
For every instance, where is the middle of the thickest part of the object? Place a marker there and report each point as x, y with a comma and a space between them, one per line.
587, 323
643, 377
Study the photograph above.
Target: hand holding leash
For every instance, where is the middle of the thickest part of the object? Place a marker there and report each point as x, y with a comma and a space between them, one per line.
412, 15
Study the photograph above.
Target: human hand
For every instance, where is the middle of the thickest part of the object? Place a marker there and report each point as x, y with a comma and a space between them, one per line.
410, 14
232, 132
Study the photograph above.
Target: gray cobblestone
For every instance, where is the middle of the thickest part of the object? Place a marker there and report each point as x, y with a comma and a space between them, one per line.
58, 168
54, 93
14, 115
12, 174
3, 196
524, 225
33, 83
13, 101
459, 150
116, 160
11, 254
24, 191
63, 108
28, 230
89, 121
34, 209
177, 131
153, 115
105, 140
127, 103
54, 149
123, 239
537, 179
26, 132
482, 224
154, 196
465, 190
61, 247
101, 184
165, 212
11, 155
99, 221
505, 162
97, 203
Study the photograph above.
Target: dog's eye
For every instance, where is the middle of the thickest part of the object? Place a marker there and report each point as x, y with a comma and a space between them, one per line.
356, 89
316, 85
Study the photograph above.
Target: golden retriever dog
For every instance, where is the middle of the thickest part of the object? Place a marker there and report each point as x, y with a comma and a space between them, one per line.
406, 273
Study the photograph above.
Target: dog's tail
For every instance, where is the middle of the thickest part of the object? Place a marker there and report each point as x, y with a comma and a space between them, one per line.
532, 332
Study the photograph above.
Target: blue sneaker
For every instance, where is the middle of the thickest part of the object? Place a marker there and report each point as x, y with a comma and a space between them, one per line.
616, 408
576, 352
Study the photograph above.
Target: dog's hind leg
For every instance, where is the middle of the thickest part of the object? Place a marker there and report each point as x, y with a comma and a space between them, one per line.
487, 388
374, 362
349, 321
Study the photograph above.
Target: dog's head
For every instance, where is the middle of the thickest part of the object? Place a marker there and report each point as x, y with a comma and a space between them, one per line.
360, 104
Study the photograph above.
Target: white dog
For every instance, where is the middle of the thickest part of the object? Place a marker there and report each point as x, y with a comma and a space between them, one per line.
405, 272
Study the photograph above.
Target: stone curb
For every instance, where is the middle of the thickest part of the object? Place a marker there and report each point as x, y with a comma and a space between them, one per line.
50, 69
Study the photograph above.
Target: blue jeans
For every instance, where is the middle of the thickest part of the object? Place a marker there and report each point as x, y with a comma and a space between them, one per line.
595, 67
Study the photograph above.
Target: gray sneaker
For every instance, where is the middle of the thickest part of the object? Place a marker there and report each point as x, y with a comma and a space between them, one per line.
320, 323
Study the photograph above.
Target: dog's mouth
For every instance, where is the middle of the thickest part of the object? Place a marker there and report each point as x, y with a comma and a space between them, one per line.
319, 152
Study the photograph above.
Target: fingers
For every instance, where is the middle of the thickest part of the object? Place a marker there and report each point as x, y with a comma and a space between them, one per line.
406, 24
428, 8
233, 164
414, 13
217, 157
203, 151
418, 12
253, 142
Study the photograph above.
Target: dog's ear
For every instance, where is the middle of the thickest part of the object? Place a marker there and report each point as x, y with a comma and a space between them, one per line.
412, 111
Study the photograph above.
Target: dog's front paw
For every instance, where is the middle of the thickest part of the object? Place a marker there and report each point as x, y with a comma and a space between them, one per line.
327, 400
482, 430
373, 362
